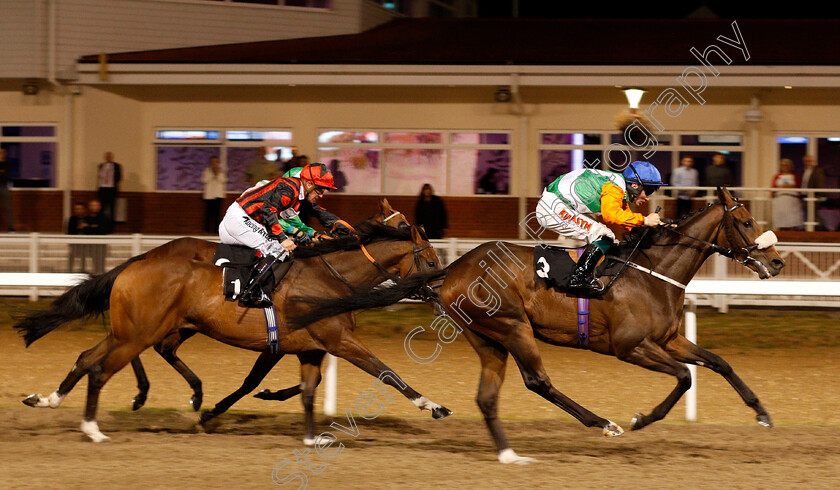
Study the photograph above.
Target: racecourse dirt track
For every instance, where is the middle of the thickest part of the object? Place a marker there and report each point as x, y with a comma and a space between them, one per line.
160, 446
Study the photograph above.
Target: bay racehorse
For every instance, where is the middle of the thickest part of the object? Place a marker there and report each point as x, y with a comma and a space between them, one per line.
503, 310
154, 297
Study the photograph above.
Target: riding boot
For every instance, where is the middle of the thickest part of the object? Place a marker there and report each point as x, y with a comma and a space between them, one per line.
259, 295
583, 280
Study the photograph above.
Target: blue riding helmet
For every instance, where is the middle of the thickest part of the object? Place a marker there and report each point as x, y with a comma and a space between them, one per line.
645, 175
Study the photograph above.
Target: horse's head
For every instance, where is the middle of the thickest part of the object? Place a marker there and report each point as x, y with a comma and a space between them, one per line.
425, 259
747, 242
390, 216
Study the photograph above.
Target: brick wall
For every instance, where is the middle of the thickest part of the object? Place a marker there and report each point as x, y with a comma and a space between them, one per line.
182, 213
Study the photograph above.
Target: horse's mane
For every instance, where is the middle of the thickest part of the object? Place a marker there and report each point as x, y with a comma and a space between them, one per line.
645, 237
368, 232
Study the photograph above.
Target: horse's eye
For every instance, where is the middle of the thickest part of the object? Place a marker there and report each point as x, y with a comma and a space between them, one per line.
748, 224
431, 264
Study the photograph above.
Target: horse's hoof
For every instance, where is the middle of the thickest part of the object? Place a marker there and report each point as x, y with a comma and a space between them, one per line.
32, 400
264, 395
763, 420
508, 456
206, 416
637, 422
441, 412
138, 402
612, 429
308, 441
195, 401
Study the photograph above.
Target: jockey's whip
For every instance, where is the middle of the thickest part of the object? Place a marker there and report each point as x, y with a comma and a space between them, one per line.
624, 265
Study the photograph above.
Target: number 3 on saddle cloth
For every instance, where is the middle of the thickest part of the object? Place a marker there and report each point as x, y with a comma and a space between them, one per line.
237, 263
554, 266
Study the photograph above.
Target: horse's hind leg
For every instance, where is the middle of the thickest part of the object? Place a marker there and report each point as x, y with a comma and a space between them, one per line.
167, 348
493, 363
264, 363
685, 351
142, 384
523, 348
78, 370
651, 356
310, 374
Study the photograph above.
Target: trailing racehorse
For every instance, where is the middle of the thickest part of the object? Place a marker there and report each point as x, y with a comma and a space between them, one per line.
153, 298
637, 321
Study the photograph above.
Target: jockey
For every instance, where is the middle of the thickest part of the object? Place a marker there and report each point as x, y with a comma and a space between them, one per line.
303, 233
253, 220
568, 203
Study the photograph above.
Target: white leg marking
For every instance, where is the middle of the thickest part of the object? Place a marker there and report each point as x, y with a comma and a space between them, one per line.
508, 456
91, 429
424, 403
308, 442
55, 399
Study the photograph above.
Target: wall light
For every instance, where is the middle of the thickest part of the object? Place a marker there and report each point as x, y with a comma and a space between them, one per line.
503, 94
634, 96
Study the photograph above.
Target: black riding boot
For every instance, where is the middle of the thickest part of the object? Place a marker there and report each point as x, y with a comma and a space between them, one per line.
583, 280
259, 295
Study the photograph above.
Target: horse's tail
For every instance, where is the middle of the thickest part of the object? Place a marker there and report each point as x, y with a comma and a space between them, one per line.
85, 300
373, 296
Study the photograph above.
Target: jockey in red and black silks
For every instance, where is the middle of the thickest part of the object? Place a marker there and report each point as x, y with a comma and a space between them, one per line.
253, 220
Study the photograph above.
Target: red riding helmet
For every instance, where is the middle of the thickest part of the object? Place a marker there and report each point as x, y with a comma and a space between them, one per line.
318, 174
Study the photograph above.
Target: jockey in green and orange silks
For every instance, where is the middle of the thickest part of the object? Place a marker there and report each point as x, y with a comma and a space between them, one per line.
570, 204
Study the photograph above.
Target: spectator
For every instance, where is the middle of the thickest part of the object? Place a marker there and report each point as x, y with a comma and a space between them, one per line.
96, 223
431, 213
339, 178
215, 182
261, 168
5, 194
109, 175
718, 173
685, 176
75, 226
813, 177
787, 208
489, 182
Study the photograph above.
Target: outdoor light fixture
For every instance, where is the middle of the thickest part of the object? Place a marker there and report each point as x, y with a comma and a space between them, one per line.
503, 94
634, 96
30, 88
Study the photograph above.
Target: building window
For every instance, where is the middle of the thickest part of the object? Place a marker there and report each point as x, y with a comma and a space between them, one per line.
315, 4
400, 162
563, 151
182, 154
32, 153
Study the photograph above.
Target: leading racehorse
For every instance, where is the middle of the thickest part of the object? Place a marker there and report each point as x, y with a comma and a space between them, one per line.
492, 291
154, 297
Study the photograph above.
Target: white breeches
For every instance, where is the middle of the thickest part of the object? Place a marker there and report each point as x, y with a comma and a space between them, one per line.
237, 228
553, 214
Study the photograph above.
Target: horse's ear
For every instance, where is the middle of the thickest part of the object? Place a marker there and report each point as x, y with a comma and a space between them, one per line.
417, 233
724, 196
384, 204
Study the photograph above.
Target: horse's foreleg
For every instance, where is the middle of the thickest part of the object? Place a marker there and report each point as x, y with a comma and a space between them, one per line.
167, 348
685, 351
349, 347
523, 348
264, 363
493, 363
651, 356
142, 384
310, 376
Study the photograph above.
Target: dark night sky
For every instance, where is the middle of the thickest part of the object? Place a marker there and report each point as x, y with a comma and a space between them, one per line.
546, 9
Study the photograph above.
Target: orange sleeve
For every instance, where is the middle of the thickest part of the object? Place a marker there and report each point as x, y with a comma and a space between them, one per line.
615, 211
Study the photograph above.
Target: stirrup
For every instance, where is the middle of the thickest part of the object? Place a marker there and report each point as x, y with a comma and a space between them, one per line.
590, 286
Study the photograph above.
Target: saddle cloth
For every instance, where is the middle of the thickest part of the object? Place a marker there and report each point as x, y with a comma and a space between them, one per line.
237, 262
555, 265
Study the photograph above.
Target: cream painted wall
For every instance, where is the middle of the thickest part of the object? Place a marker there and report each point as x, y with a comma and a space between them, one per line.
122, 121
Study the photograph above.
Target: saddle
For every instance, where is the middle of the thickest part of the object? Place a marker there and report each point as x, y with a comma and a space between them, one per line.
237, 262
554, 265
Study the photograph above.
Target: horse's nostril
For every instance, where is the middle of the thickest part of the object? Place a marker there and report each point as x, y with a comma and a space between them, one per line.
778, 263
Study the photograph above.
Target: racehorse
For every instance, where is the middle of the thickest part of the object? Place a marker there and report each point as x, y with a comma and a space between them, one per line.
637, 320
154, 297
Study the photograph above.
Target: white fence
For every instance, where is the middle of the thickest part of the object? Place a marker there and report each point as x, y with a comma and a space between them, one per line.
48, 253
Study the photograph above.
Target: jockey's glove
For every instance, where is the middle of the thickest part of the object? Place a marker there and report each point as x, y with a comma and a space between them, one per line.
301, 237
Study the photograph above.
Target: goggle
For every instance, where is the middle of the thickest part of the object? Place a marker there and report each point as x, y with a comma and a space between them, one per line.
650, 189
636, 188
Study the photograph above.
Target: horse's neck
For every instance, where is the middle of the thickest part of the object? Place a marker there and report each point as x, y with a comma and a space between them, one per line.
680, 257
356, 268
